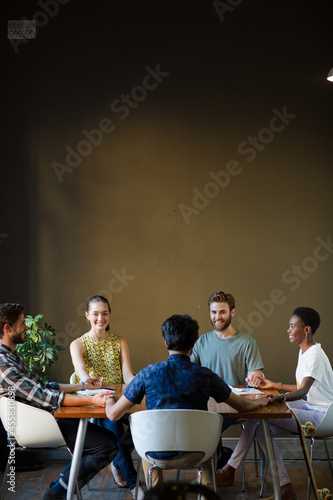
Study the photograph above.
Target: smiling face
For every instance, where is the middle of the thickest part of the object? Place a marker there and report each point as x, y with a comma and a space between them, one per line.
220, 315
98, 315
297, 331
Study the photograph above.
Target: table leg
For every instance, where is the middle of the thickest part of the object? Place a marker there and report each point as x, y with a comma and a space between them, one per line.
77, 455
271, 459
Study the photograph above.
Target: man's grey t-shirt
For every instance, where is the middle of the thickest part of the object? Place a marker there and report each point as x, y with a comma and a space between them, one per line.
231, 358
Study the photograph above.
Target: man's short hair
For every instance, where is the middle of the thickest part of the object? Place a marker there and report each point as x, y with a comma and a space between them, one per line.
9, 314
180, 332
309, 317
222, 297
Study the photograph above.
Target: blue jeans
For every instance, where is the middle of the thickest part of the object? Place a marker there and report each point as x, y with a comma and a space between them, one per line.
123, 460
98, 451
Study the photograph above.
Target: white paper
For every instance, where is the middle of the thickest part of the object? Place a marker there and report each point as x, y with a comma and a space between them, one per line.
91, 392
245, 390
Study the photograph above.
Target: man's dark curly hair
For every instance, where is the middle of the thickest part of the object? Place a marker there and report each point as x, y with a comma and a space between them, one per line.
180, 332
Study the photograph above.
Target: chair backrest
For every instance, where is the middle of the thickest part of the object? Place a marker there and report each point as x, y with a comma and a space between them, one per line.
31, 427
176, 430
325, 428
72, 379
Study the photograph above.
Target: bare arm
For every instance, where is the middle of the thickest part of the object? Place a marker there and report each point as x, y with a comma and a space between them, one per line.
116, 409
96, 400
295, 394
240, 403
126, 366
77, 351
268, 384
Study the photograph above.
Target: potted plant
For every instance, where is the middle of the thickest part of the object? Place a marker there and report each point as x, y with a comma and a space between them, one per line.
39, 349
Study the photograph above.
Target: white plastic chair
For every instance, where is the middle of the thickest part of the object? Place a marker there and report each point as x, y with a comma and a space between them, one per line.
29, 427
196, 433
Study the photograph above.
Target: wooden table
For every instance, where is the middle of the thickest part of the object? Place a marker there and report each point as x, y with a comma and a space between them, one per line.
279, 410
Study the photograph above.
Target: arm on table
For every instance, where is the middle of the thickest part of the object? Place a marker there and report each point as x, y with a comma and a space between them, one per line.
294, 393
244, 404
96, 400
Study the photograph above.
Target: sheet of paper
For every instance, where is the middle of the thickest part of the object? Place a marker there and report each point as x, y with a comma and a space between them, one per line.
245, 390
91, 392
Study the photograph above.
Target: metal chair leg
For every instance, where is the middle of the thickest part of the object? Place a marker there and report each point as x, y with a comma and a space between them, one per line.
328, 457
311, 455
255, 457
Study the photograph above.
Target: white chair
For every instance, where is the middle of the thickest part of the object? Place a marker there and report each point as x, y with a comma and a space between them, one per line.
72, 378
196, 433
29, 427
323, 432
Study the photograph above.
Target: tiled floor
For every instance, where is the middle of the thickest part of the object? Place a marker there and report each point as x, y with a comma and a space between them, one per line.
31, 485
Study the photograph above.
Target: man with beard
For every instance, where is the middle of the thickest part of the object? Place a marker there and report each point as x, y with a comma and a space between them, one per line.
230, 353
227, 351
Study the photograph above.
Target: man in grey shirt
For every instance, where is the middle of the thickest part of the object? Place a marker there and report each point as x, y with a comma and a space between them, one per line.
230, 353
227, 351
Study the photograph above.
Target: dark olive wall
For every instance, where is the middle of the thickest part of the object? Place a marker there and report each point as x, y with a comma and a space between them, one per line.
156, 152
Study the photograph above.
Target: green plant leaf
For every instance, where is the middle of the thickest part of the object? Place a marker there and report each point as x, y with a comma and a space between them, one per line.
39, 349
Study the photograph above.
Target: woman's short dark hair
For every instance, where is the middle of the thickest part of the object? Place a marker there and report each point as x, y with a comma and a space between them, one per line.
180, 332
309, 317
9, 314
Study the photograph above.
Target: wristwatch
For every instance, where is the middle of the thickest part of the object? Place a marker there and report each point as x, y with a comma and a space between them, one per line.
84, 387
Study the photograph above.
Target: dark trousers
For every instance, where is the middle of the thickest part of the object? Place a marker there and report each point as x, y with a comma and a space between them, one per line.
98, 451
125, 446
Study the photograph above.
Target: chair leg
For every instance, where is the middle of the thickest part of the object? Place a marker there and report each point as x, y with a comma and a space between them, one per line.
212, 462
3, 486
255, 457
328, 457
263, 478
138, 472
309, 480
243, 475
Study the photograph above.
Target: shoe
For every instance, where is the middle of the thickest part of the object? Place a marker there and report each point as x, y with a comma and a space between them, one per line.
287, 493
141, 493
50, 494
118, 477
225, 477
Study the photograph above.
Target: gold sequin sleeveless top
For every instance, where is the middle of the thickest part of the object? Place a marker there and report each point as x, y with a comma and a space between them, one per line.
103, 358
